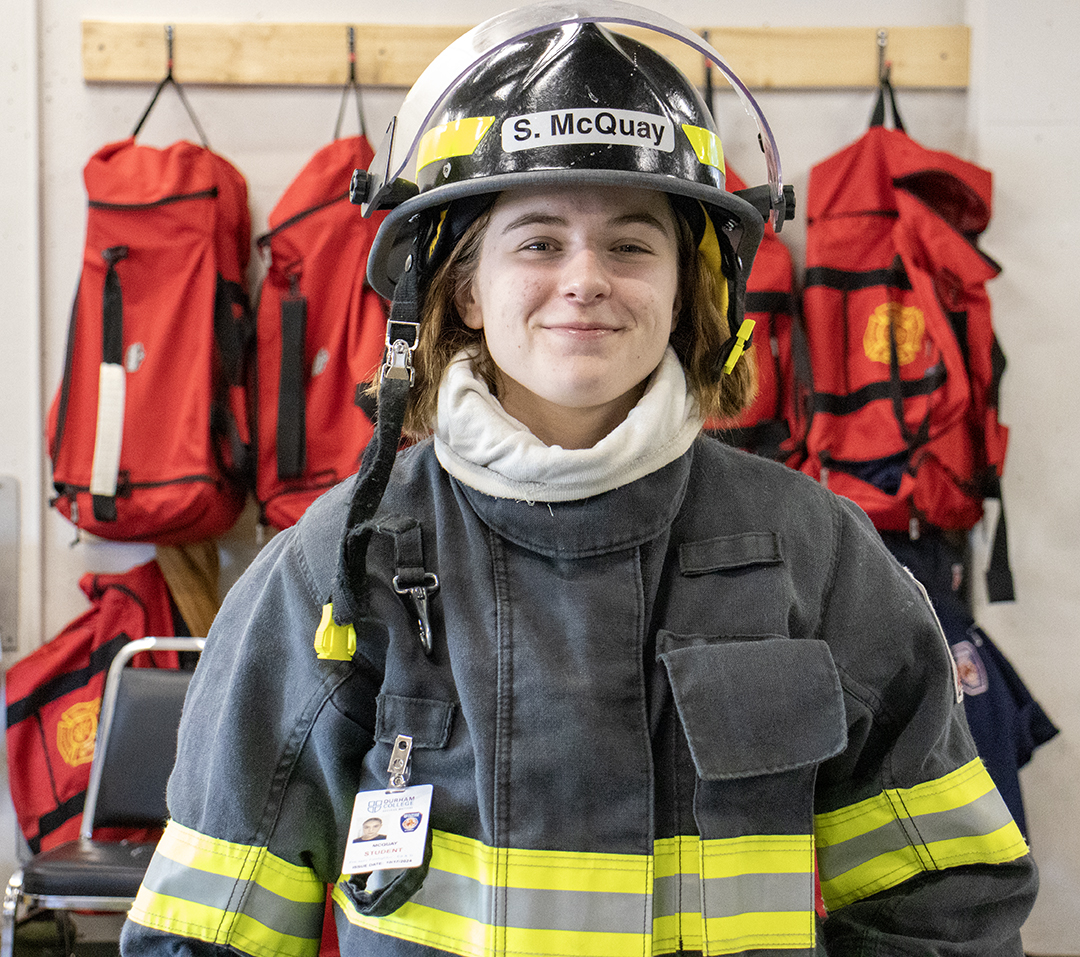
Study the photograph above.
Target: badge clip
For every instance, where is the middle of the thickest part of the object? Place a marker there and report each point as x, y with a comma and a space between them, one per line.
399, 769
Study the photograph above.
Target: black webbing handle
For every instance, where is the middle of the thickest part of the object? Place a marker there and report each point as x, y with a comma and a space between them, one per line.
885, 90
169, 81
378, 460
291, 425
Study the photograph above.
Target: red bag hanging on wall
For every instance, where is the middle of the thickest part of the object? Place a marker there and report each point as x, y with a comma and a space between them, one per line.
148, 429
321, 332
905, 362
53, 696
771, 425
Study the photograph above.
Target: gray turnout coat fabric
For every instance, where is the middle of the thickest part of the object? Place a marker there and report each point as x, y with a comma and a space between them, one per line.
647, 717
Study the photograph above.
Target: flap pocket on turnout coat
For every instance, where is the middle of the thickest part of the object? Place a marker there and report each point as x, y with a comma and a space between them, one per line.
755, 707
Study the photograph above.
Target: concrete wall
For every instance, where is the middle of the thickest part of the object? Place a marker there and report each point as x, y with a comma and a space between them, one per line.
1018, 118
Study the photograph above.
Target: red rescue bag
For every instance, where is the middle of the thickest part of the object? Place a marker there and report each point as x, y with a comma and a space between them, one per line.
53, 697
905, 362
148, 430
773, 424
321, 332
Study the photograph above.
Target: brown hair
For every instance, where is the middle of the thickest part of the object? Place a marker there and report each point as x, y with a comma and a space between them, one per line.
698, 337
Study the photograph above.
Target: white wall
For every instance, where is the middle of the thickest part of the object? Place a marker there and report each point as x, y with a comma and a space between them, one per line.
1018, 118
1027, 130
20, 332
20, 372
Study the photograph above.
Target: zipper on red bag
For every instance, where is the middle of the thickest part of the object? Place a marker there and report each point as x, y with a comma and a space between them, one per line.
265, 238
164, 201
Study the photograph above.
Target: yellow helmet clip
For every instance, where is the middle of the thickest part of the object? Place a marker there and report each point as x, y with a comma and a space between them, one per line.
742, 337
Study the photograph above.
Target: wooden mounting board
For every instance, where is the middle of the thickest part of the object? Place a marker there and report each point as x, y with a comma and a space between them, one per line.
394, 55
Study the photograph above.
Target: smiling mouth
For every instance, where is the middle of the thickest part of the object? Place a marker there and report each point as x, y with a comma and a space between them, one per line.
583, 331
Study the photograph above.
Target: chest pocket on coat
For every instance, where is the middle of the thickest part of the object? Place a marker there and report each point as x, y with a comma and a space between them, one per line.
755, 707
737, 585
426, 720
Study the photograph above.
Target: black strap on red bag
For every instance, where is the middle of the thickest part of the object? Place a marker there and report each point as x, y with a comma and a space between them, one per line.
170, 80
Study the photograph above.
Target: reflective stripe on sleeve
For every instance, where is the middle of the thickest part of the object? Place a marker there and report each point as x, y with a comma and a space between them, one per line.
234, 895
884, 840
757, 892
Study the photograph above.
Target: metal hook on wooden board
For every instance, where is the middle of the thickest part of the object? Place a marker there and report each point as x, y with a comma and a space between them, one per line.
884, 67
351, 84
170, 80
168, 49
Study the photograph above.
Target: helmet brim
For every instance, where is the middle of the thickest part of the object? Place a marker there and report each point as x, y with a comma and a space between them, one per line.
741, 222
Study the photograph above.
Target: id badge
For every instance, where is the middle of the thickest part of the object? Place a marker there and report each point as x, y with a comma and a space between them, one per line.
388, 830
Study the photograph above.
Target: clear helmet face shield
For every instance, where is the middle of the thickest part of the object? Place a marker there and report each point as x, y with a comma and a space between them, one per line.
467, 79
396, 156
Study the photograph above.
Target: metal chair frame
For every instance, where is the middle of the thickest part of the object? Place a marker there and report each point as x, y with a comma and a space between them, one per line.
15, 899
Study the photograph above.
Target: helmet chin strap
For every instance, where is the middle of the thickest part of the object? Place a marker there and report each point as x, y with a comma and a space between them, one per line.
402, 333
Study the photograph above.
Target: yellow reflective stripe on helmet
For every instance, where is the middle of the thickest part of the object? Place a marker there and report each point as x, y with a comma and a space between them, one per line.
195, 884
745, 893
706, 145
709, 251
438, 231
882, 841
457, 138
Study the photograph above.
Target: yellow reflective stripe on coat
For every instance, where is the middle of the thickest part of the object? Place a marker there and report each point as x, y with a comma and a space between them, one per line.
233, 895
720, 897
882, 841
456, 138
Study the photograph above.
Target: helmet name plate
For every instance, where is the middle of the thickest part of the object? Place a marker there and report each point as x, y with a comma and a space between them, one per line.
588, 125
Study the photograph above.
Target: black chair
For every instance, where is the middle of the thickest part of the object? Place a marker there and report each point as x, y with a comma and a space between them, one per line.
133, 756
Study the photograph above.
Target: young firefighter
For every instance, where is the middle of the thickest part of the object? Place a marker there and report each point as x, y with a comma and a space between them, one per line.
611, 687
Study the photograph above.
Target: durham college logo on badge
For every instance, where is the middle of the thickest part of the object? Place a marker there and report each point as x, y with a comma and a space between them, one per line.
563, 127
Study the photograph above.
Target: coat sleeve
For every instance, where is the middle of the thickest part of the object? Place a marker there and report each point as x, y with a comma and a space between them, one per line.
268, 762
916, 848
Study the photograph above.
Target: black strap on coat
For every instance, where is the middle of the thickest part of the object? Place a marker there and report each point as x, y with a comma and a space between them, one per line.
370, 483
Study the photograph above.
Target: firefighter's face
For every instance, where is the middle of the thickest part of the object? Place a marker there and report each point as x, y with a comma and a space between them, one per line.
576, 292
